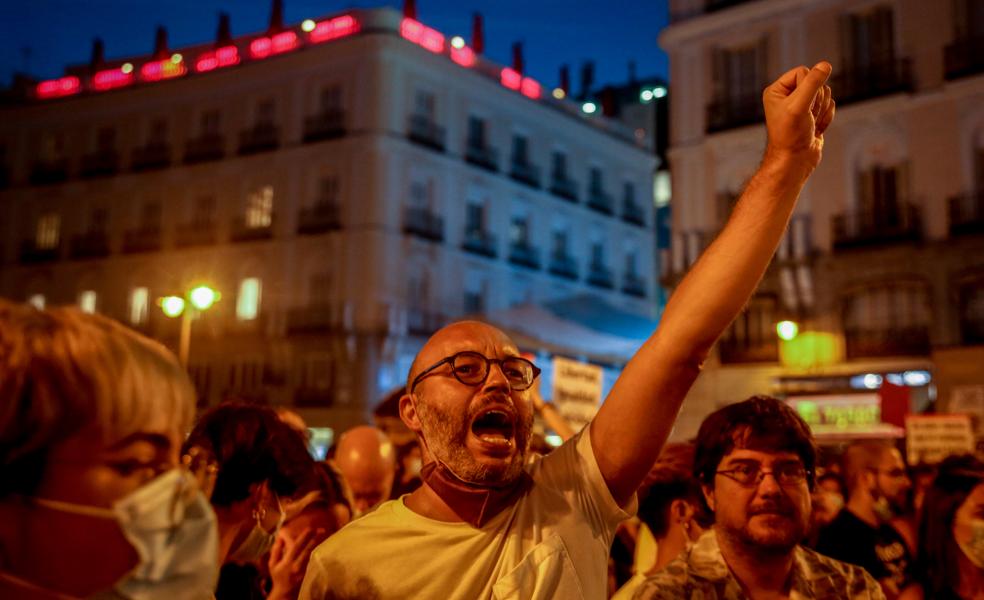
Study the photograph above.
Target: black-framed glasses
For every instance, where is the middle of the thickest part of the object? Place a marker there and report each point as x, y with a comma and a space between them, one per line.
750, 474
472, 368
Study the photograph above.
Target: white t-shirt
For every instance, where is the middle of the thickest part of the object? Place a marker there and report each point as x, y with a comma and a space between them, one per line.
553, 543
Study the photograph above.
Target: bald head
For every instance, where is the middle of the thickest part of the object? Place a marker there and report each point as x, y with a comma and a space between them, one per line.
367, 461
860, 458
457, 337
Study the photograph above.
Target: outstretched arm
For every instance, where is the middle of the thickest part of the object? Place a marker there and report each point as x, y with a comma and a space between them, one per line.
636, 418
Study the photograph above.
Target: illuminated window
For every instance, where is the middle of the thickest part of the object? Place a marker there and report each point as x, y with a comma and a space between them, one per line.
87, 301
48, 231
259, 208
138, 305
661, 188
36, 300
248, 301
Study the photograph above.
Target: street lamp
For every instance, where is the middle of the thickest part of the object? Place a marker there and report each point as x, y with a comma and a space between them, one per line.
200, 298
787, 330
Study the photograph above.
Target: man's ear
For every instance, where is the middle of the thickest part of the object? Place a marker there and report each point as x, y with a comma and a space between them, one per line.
408, 414
681, 510
708, 495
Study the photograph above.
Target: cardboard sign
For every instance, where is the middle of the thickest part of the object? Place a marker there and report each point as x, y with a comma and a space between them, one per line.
968, 400
576, 390
931, 438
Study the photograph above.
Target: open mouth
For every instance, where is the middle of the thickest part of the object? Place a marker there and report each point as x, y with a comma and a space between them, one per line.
494, 427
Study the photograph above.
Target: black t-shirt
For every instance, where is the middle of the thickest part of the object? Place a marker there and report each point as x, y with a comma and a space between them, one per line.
879, 550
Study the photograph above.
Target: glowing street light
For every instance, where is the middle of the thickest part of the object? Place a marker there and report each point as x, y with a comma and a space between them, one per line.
787, 330
199, 299
589, 108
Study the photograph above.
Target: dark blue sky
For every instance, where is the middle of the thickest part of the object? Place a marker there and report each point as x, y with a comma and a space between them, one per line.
43, 36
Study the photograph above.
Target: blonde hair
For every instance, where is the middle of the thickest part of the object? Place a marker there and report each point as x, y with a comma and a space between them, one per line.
63, 371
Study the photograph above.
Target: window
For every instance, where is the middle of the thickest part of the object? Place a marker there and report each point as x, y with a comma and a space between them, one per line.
661, 188
106, 140
52, 146
559, 160
476, 291
632, 263
519, 230
422, 193
48, 231
98, 220
597, 179
628, 193
597, 254
139, 297
36, 300
150, 216
320, 289
259, 208
87, 301
879, 193
418, 291
520, 149
330, 99
210, 123
560, 241
204, 211
476, 132
475, 216
868, 37
740, 74
157, 134
266, 112
425, 104
248, 301
327, 190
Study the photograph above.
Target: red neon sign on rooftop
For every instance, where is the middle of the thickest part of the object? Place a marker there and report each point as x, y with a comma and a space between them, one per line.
423, 36
269, 46
225, 56
56, 88
527, 86
464, 56
167, 68
333, 29
110, 79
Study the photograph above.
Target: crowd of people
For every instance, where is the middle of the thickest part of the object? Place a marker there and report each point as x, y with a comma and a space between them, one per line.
110, 487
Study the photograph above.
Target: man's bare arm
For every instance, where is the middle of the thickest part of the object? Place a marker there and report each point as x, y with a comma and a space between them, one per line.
636, 418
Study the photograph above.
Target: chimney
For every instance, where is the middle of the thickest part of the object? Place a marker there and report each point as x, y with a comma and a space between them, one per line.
587, 79
410, 9
518, 57
565, 79
98, 54
223, 36
276, 17
478, 34
160, 44
608, 107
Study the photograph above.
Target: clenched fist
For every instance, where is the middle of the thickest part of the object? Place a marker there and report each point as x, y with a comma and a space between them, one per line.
798, 109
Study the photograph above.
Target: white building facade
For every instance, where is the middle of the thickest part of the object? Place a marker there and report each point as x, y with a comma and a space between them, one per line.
348, 185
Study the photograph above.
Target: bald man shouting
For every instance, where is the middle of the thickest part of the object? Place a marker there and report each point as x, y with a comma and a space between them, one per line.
485, 523
367, 460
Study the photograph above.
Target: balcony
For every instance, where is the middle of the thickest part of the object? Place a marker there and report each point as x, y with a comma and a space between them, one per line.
633, 285
964, 57
481, 242
100, 164
524, 255
92, 244
525, 172
312, 319
195, 234
423, 322
855, 83
261, 137
155, 155
251, 232
308, 397
45, 172
204, 148
600, 276
482, 155
423, 223
967, 213
600, 201
877, 228
732, 350
32, 254
327, 125
421, 129
563, 187
145, 239
323, 217
902, 341
563, 265
732, 112
633, 213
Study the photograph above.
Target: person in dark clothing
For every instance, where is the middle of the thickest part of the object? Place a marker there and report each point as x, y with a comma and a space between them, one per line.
861, 534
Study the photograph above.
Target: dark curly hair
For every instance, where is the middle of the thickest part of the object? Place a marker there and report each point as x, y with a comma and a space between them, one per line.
758, 423
251, 446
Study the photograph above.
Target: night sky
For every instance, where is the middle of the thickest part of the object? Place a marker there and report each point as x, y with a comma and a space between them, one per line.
41, 37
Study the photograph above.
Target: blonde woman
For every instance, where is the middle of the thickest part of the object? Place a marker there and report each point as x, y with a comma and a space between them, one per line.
93, 498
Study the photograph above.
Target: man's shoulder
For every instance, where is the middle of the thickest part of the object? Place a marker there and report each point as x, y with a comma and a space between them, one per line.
383, 517
672, 582
834, 578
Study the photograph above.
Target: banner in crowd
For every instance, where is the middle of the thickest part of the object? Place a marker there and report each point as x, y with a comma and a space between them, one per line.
931, 438
576, 390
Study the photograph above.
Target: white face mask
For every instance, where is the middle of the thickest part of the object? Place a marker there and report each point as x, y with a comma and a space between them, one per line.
259, 541
974, 548
172, 527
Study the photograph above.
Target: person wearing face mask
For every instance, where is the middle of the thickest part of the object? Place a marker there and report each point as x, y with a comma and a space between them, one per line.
94, 500
862, 533
261, 463
671, 508
951, 532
